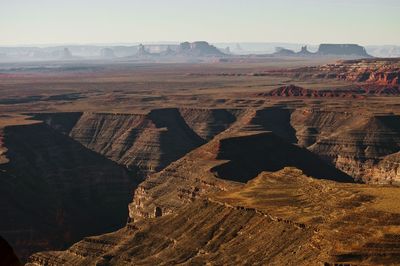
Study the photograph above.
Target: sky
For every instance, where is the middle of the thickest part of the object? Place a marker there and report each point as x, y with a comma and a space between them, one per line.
26, 22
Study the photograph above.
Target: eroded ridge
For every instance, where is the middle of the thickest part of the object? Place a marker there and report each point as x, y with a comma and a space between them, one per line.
277, 218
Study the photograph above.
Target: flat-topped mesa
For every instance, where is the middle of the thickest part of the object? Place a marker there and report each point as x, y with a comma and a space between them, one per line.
342, 50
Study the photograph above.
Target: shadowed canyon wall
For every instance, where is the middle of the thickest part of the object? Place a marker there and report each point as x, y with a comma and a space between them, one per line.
55, 191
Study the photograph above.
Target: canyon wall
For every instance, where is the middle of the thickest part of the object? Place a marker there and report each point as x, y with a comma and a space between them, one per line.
360, 144
145, 143
7, 254
54, 191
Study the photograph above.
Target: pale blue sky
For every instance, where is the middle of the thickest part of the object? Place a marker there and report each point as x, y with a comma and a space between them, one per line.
125, 21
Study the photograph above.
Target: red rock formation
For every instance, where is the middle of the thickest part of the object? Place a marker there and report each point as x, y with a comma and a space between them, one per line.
352, 92
379, 72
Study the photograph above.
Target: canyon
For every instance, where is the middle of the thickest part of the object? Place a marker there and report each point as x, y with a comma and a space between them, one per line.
180, 164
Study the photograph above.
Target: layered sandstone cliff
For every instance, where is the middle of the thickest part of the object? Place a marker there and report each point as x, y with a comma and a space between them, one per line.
378, 72
211, 167
357, 92
54, 191
188, 212
145, 143
356, 143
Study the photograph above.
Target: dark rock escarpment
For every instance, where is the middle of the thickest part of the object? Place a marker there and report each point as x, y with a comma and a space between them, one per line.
248, 156
7, 255
54, 191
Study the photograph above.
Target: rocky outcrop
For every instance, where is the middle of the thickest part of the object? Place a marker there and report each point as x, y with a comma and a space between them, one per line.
208, 233
380, 74
199, 233
54, 191
279, 218
387, 170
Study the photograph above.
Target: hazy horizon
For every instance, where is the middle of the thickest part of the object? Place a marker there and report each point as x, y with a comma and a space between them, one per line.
136, 43
45, 22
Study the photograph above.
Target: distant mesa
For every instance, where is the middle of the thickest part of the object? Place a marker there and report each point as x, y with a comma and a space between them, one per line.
60, 53
227, 50
280, 51
107, 53
200, 48
168, 52
189, 50
342, 49
182, 50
